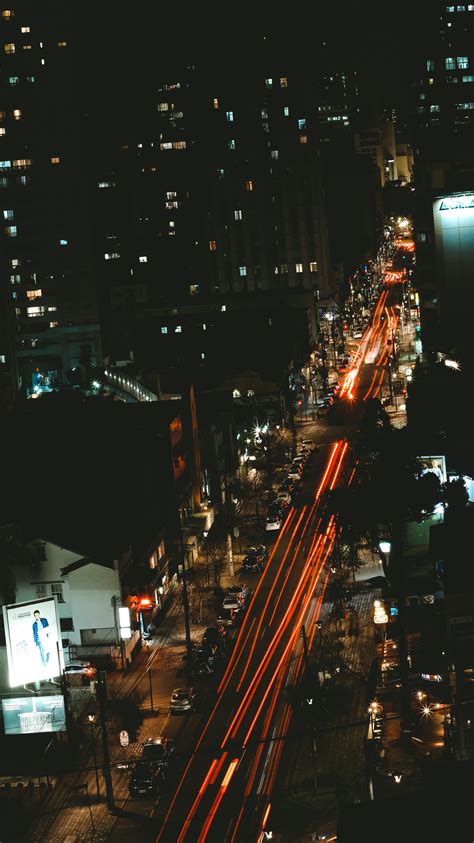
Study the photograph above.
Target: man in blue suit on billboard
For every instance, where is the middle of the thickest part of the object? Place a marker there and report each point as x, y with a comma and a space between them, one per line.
41, 637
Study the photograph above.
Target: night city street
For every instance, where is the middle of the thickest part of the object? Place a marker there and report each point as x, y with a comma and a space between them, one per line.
236, 395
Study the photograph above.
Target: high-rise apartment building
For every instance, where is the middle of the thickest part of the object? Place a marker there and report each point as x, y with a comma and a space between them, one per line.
443, 119
47, 268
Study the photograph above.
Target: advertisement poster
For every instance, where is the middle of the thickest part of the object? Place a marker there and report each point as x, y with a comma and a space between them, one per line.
33, 639
436, 465
25, 715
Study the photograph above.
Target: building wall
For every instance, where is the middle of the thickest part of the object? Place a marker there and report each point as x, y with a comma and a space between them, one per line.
86, 593
92, 590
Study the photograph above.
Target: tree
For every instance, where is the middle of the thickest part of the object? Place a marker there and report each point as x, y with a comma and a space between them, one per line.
214, 555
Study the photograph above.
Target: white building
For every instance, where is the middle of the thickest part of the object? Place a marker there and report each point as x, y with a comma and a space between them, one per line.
87, 591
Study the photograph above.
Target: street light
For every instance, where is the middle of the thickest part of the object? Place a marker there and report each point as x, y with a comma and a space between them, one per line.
91, 718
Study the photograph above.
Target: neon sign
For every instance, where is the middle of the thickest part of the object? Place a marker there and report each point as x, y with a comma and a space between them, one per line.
457, 203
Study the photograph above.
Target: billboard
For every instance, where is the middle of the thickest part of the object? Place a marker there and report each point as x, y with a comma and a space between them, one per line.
454, 235
25, 715
434, 465
33, 638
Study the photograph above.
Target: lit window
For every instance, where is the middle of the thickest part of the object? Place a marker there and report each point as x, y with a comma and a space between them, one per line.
450, 63
10, 231
463, 62
13, 80
460, 8
284, 268
170, 205
20, 163
283, 82
166, 146
25, 29
203, 356
451, 80
16, 113
143, 259
52, 309
8, 13
299, 267
215, 103
220, 173
430, 65
64, 243
274, 154
469, 78
242, 270
303, 138
105, 184
14, 262
230, 116
62, 43
464, 106
163, 106
8, 215
53, 324
264, 114
23, 179
204, 326
9, 48
237, 215
179, 144
450, 8
3, 181
249, 185
178, 329
31, 79
268, 83
55, 160
212, 245
223, 308
313, 267
302, 123
470, 7
231, 143
434, 108
423, 96
193, 289
32, 312
2, 132
164, 329
171, 224
286, 111
275, 270
34, 294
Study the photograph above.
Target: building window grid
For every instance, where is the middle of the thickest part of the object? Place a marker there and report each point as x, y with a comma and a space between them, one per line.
57, 591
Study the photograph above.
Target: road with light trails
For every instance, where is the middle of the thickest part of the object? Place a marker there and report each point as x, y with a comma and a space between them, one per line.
225, 790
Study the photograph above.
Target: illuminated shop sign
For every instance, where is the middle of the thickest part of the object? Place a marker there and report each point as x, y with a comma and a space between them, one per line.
457, 203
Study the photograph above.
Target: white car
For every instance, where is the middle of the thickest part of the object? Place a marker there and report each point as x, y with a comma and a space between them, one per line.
284, 496
294, 473
80, 668
357, 335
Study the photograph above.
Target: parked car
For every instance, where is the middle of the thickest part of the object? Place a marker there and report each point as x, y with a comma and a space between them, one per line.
294, 472
357, 335
241, 591
161, 750
213, 637
146, 779
230, 617
184, 699
308, 444
274, 517
283, 496
253, 564
80, 668
287, 486
231, 601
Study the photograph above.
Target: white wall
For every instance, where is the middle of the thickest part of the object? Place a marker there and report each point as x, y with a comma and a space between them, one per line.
91, 591
87, 592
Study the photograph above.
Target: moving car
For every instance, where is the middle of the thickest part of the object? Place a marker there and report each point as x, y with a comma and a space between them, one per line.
184, 699
146, 779
78, 667
161, 750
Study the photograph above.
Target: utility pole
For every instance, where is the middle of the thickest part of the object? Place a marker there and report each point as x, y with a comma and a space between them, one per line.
102, 698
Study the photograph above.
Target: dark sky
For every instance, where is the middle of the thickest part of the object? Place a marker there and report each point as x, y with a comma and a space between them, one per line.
128, 48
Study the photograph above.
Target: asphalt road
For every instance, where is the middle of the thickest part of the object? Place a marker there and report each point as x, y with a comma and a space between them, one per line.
225, 790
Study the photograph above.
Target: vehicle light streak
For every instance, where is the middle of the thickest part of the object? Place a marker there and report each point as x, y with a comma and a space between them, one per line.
220, 795
254, 644
201, 792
